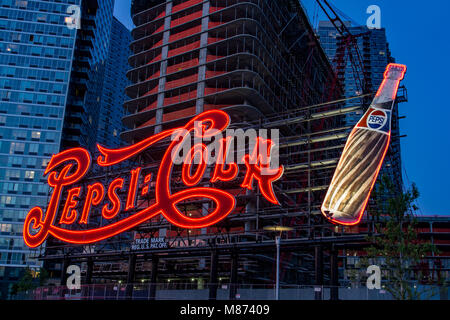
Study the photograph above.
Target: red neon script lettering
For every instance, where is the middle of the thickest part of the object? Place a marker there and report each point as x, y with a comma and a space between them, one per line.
74, 164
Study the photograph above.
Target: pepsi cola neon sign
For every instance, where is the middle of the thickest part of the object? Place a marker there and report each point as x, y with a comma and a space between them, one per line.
69, 167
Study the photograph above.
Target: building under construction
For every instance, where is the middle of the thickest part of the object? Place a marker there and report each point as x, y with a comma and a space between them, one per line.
261, 62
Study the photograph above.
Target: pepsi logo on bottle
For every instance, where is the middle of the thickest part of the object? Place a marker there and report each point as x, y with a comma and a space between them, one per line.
376, 119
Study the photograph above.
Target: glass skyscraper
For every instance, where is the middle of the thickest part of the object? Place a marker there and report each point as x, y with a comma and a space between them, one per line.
51, 82
36, 50
86, 83
114, 84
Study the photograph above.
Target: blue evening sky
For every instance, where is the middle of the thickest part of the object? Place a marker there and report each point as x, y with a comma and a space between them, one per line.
419, 37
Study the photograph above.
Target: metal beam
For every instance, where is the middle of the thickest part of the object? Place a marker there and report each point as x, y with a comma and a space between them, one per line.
213, 276
233, 276
318, 271
264, 246
130, 276
153, 281
334, 274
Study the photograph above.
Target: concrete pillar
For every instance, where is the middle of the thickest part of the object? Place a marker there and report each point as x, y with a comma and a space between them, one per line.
199, 107
163, 69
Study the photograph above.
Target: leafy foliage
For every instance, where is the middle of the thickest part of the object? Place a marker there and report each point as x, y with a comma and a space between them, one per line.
30, 280
398, 251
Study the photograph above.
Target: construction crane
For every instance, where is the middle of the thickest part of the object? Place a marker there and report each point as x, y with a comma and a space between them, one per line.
347, 49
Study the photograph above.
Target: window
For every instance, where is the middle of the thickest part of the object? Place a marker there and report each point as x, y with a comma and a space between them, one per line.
5, 227
23, 109
50, 149
15, 161
19, 135
45, 163
35, 50
6, 95
27, 97
24, 201
4, 244
8, 200
33, 148
17, 228
41, 98
36, 135
31, 162
59, 76
42, 189
29, 175
17, 147
42, 18
16, 37
27, 188
12, 174
12, 187
22, 4
51, 136
17, 258
13, 48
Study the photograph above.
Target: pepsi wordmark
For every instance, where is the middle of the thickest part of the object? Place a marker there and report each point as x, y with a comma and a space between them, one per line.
69, 167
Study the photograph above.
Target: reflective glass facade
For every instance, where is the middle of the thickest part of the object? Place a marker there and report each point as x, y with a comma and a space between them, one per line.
36, 49
114, 84
86, 83
51, 81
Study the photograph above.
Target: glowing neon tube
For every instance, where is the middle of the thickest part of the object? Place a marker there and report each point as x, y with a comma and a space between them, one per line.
363, 155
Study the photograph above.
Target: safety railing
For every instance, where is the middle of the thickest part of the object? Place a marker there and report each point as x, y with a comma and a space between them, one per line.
225, 291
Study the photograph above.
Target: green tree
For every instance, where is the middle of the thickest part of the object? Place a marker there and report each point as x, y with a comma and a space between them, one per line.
25, 283
43, 276
398, 250
29, 281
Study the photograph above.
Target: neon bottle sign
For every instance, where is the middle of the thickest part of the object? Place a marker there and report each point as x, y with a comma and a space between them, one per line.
363, 155
71, 166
